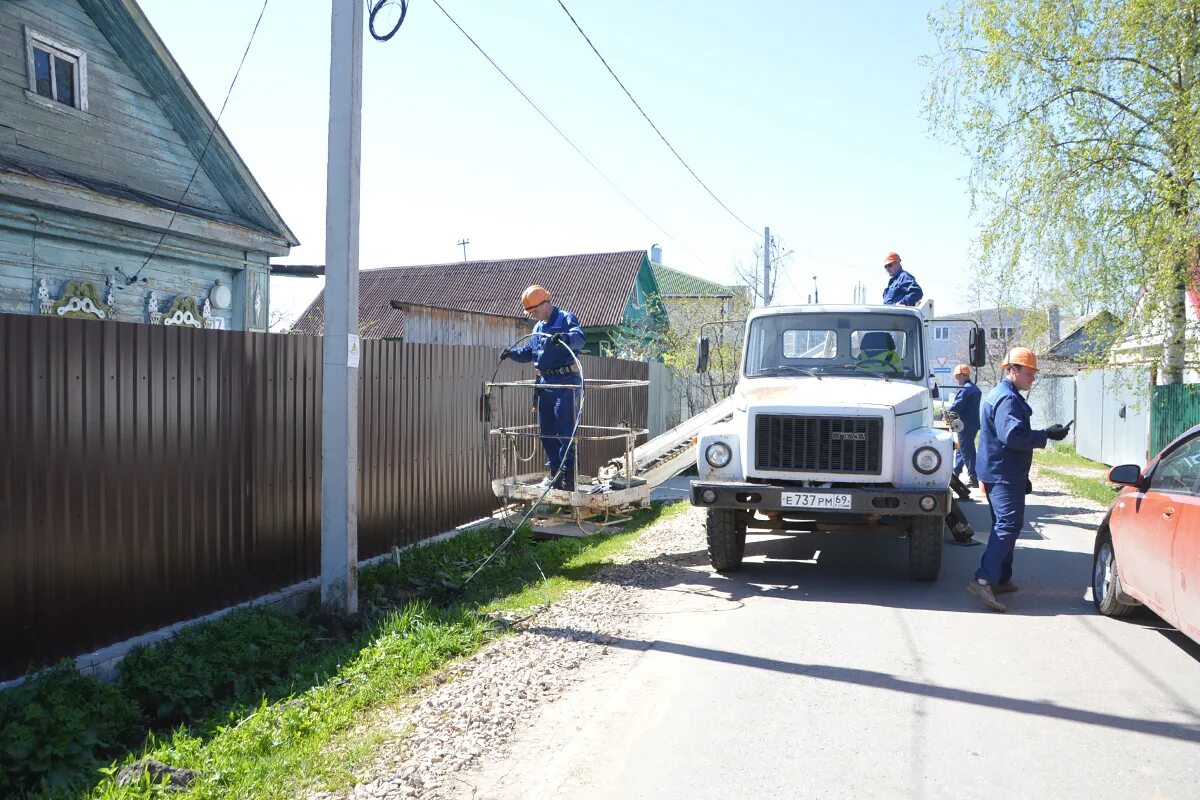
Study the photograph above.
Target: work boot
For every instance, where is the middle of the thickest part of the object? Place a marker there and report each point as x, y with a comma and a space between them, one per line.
984, 592
1005, 588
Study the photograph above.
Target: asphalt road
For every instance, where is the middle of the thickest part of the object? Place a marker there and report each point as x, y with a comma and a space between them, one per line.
820, 671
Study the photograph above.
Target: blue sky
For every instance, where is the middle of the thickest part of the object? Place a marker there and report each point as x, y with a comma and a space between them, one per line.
802, 116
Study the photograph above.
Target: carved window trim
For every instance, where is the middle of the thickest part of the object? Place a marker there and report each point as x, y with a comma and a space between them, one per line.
36, 40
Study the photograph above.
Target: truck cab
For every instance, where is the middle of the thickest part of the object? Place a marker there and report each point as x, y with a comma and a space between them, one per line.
832, 430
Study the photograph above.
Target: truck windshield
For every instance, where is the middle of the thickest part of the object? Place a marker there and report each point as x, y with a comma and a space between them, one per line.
864, 344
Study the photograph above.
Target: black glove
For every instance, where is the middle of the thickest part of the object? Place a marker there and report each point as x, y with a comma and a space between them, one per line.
1057, 432
1028, 486
557, 338
506, 354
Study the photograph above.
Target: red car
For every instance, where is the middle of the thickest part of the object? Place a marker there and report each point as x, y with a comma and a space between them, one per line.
1148, 547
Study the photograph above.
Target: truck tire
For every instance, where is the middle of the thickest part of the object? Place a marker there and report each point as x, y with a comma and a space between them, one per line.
925, 548
726, 538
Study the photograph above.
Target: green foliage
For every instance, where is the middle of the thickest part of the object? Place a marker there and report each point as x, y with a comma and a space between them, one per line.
58, 727
235, 658
1098, 490
1081, 119
270, 705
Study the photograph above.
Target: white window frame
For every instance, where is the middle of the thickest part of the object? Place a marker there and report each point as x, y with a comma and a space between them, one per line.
941, 333
64, 51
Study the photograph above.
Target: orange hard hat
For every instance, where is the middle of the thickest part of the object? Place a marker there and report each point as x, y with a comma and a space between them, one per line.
534, 296
891, 258
962, 369
1021, 356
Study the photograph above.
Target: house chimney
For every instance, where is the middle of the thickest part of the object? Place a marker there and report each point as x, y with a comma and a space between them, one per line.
656, 253
1053, 326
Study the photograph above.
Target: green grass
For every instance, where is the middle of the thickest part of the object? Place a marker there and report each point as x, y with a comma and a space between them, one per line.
1064, 455
1097, 489
311, 738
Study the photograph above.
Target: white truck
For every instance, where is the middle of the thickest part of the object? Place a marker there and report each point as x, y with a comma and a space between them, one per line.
832, 430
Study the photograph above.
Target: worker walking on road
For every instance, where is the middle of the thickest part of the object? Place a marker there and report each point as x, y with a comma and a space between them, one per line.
1006, 446
556, 336
902, 288
966, 406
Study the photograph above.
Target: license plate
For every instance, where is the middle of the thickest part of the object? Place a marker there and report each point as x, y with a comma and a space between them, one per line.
811, 500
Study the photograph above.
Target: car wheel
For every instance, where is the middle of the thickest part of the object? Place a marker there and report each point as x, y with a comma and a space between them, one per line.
726, 538
1107, 592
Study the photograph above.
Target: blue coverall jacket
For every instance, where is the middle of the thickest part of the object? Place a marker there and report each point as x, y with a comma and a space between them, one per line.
1006, 446
1006, 441
902, 290
966, 405
556, 407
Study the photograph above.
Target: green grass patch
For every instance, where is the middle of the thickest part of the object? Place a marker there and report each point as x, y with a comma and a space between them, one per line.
1064, 455
263, 704
1096, 489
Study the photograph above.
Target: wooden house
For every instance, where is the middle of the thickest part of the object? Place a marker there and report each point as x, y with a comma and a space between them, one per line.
120, 197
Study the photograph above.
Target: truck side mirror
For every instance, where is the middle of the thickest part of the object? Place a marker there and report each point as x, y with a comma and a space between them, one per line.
702, 354
977, 344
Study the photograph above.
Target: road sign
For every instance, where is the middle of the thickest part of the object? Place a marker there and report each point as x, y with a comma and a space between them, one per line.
942, 360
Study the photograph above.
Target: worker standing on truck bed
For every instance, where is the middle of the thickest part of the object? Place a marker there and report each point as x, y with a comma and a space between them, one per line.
555, 336
966, 406
1006, 446
902, 288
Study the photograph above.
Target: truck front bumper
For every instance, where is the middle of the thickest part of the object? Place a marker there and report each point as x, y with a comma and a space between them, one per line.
819, 501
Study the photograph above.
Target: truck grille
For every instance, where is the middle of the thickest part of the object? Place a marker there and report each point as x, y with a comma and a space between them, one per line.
818, 444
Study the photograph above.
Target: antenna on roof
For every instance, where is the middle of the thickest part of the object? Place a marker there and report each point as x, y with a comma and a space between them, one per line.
463, 244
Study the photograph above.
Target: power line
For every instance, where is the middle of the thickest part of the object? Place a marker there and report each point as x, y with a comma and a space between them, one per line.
130, 279
559, 131
638, 106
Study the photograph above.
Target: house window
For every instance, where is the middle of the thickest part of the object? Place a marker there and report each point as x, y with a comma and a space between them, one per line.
57, 71
1001, 334
941, 332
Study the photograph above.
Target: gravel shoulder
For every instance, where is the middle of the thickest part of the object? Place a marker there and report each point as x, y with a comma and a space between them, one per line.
473, 709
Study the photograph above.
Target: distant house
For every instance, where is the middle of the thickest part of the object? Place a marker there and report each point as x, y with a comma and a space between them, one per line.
1143, 344
1004, 328
1088, 340
683, 292
613, 294
100, 217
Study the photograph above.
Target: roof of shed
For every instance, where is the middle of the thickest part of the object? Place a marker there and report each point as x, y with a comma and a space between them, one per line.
594, 286
675, 283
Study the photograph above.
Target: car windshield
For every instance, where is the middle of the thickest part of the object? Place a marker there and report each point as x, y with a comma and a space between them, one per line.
876, 345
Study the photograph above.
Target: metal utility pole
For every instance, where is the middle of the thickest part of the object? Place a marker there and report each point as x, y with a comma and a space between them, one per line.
339, 387
766, 290
816, 292
463, 244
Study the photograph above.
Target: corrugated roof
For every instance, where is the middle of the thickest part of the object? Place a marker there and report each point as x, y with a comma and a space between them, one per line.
595, 286
674, 283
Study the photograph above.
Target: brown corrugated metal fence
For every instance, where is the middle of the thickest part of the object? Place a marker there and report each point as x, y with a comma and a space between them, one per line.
150, 474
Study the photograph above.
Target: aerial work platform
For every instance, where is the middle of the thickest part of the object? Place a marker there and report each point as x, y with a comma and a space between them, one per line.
624, 483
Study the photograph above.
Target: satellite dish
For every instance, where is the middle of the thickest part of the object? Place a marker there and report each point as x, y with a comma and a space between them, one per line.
220, 296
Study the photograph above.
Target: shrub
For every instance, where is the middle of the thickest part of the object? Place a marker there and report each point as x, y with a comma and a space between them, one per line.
59, 727
236, 658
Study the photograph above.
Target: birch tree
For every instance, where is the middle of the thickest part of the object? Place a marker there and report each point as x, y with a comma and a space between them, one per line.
1081, 120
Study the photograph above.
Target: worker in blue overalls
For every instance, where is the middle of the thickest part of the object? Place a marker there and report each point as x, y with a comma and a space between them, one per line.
902, 288
1006, 445
555, 336
966, 406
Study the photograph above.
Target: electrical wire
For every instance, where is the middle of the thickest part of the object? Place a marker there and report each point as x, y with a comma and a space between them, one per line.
374, 7
130, 279
564, 136
646, 116
562, 463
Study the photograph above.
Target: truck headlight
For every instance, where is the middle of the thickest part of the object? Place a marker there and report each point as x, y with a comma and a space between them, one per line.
718, 455
927, 460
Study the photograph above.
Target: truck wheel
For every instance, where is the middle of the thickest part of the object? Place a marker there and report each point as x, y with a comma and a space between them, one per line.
726, 539
925, 548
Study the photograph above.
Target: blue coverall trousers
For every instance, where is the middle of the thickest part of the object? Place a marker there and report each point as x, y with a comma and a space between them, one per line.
964, 456
1007, 504
556, 421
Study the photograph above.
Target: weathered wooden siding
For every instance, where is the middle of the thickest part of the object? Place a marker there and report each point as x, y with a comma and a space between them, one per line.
60, 247
443, 326
124, 137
